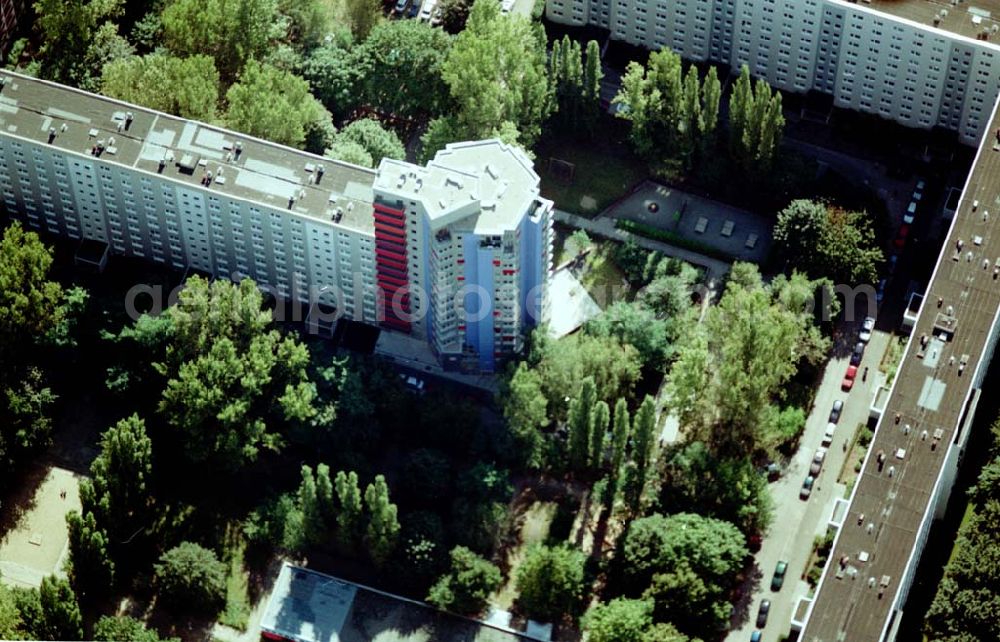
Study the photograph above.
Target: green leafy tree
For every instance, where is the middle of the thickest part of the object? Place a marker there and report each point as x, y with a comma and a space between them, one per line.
33, 313
480, 511
285, 117
232, 32
640, 327
29, 302
117, 493
620, 620
308, 21
106, 47
756, 124
711, 93
566, 76
231, 377
313, 522
349, 516
526, 410
826, 241
650, 98
581, 423
682, 595
67, 31
60, 611
377, 141
731, 489
664, 632
592, 75
551, 581
601, 417
643, 445
335, 74
192, 577
186, 87
730, 368
467, 585
712, 548
563, 364
10, 616
362, 17
123, 628
325, 497
496, 74
91, 568
382, 533
350, 152
620, 432
402, 63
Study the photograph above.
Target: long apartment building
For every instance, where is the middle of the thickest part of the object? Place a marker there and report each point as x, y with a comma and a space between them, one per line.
457, 253
921, 63
922, 432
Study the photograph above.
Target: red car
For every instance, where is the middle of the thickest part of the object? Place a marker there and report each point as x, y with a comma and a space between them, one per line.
904, 231
849, 376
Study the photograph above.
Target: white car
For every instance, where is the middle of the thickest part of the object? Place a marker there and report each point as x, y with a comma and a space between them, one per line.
831, 428
427, 10
866, 329
910, 213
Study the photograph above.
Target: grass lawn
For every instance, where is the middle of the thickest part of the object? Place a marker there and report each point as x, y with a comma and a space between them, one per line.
604, 170
238, 607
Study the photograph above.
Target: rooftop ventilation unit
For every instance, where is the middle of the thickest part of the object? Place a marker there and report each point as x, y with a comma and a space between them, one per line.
52, 134
128, 119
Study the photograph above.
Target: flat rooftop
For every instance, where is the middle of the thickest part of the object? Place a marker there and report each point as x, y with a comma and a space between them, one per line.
488, 179
186, 151
931, 394
307, 606
969, 18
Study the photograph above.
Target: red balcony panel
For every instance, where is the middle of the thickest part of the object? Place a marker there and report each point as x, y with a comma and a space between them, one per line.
386, 209
460, 261
389, 220
397, 256
496, 262
391, 270
389, 231
387, 279
509, 272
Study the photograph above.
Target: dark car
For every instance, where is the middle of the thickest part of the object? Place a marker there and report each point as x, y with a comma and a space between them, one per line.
858, 353
765, 608
778, 579
838, 407
414, 9
807, 487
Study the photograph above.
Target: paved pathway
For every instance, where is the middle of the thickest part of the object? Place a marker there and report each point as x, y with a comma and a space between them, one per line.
798, 522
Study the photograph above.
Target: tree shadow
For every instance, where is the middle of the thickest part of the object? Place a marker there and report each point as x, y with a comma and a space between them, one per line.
743, 593
19, 499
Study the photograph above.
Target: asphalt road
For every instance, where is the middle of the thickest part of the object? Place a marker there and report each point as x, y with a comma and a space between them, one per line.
798, 522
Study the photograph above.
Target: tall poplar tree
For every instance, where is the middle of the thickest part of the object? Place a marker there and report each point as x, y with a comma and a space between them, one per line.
592, 75
580, 424
382, 533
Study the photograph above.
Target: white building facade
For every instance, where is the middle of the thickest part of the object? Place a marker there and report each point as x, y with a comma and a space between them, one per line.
190, 196
907, 62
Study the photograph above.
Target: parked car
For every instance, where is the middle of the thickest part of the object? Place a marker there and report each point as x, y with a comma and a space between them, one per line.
778, 579
901, 235
910, 213
807, 487
867, 326
838, 406
920, 185
849, 377
828, 435
772, 471
765, 608
755, 636
413, 383
890, 265
427, 10
817, 462
415, 8
401, 6
858, 353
